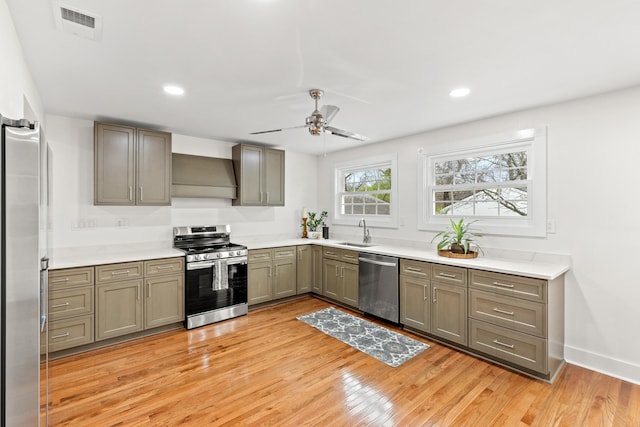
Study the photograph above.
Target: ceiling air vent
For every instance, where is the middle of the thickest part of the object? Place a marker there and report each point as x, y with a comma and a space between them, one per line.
78, 22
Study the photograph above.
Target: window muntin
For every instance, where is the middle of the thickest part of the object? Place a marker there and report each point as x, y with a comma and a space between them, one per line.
366, 189
491, 185
500, 180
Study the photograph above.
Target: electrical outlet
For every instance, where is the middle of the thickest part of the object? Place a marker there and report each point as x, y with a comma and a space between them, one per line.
551, 226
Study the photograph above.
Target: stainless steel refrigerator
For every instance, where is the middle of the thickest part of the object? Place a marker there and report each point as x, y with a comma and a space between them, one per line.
21, 271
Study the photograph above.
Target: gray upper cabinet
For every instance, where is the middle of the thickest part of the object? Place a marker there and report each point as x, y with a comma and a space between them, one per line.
259, 175
132, 166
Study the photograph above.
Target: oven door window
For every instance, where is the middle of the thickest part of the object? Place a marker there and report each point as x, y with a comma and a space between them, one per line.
219, 285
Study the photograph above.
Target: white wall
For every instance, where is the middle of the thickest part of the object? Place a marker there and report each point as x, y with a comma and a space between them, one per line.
18, 94
593, 178
77, 222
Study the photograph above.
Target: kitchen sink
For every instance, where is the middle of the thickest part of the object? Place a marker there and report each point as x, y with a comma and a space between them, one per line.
358, 245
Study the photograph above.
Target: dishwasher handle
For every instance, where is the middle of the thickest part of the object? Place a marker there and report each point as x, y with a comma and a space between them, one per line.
371, 261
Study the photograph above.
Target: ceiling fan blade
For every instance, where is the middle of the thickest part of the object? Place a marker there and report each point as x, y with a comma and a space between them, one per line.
329, 112
277, 130
345, 133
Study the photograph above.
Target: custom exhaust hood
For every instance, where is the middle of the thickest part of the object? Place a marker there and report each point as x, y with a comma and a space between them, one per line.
202, 177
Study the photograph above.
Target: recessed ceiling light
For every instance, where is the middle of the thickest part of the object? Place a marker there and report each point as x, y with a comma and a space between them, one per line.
459, 92
173, 90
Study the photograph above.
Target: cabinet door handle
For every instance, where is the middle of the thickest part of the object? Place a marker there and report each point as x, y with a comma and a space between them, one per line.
504, 285
130, 193
267, 197
503, 344
497, 310
66, 334
424, 293
140, 193
342, 272
66, 279
60, 305
447, 275
115, 273
434, 294
336, 271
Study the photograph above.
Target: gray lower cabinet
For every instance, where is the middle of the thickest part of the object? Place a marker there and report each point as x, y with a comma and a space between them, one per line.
309, 269
134, 296
120, 308
340, 275
514, 320
271, 274
131, 166
517, 320
70, 308
433, 299
259, 175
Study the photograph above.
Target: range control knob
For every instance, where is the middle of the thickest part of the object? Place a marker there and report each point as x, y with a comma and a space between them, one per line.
219, 254
202, 256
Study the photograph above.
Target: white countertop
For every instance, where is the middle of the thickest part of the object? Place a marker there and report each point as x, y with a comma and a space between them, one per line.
541, 266
529, 265
97, 255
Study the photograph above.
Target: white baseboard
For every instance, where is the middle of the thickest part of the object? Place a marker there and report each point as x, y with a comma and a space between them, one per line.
604, 364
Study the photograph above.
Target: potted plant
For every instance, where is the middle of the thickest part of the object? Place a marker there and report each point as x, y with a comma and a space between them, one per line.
458, 241
314, 221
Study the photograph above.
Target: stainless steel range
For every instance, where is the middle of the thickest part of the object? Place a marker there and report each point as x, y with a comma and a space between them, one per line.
216, 274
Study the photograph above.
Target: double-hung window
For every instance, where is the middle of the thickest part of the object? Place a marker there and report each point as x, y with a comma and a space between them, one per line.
366, 189
500, 181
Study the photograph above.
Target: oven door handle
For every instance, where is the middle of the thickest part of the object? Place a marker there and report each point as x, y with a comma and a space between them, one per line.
237, 260
200, 265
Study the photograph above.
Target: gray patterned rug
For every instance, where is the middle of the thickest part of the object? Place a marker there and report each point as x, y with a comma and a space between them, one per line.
385, 345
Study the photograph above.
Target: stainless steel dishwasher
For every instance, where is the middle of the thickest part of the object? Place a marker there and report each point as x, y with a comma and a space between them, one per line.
378, 292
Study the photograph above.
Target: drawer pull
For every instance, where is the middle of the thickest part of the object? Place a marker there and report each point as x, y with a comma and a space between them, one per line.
60, 305
285, 253
330, 253
504, 285
509, 313
66, 334
503, 344
116, 273
414, 269
165, 267
450, 276
66, 279
348, 256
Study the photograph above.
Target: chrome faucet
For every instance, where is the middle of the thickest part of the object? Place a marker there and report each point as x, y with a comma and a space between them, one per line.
366, 237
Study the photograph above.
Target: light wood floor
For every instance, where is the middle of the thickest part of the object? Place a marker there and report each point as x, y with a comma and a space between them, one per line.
267, 368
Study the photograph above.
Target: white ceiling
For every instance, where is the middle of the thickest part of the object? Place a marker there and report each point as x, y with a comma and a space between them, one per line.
247, 65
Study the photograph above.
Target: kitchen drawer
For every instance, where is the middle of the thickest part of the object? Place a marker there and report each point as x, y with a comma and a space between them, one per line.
70, 302
331, 253
70, 332
258, 255
507, 284
349, 256
522, 315
420, 269
449, 274
514, 347
116, 272
159, 267
284, 252
70, 277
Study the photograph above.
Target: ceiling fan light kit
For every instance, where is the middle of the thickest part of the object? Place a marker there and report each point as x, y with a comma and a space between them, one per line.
317, 123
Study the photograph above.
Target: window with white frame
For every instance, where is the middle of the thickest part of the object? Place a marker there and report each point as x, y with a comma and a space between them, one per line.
366, 189
499, 181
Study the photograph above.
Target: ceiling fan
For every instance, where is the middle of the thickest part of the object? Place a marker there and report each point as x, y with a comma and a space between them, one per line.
318, 121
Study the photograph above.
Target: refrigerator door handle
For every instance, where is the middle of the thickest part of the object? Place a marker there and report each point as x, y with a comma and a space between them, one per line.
44, 292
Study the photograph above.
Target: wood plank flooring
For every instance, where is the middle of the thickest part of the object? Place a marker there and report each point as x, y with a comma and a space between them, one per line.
267, 368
